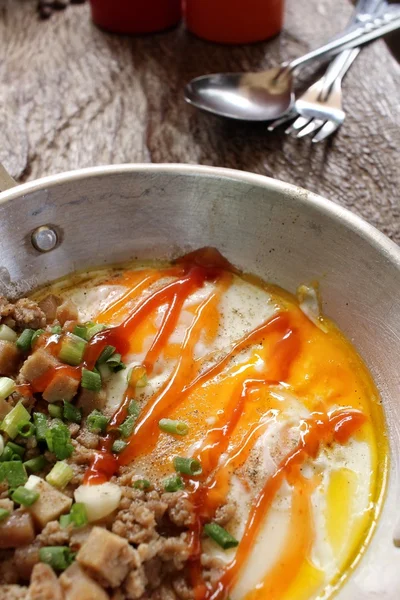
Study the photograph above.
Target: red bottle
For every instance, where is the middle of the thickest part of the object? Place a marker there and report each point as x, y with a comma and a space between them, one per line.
135, 16
234, 21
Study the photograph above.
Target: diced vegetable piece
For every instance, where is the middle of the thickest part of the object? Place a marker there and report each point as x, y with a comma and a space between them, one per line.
72, 350
4, 514
61, 387
17, 530
67, 311
37, 364
173, 483
7, 387
55, 411
49, 306
106, 354
14, 473
91, 380
78, 515
72, 413
174, 427
10, 358
24, 496
16, 449
220, 535
52, 503
94, 329
25, 340
44, 584
36, 336
58, 557
7, 334
99, 500
97, 422
60, 475
118, 446
141, 484
41, 425
126, 428
76, 583
133, 408
81, 331
34, 465
187, 466
15, 417
26, 429
58, 440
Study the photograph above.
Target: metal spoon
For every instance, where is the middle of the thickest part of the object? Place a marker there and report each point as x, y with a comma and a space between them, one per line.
269, 94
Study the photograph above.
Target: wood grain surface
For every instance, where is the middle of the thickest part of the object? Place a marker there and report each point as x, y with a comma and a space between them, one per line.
72, 96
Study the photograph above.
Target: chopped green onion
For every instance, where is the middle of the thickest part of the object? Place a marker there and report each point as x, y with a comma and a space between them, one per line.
14, 472
126, 428
4, 514
115, 362
72, 350
78, 514
174, 427
16, 449
106, 354
25, 340
7, 387
173, 483
34, 465
16, 457
55, 411
141, 484
60, 475
118, 446
17, 415
137, 376
26, 429
24, 496
94, 329
58, 557
7, 334
7, 454
133, 408
56, 329
36, 336
58, 440
81, 331
187, 466
220, 535
72, 413
41, 426
105, 372
91, 380
97, 422
65, 520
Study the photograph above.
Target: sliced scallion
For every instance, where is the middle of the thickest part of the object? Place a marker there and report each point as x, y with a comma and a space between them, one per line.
24, 496
58, 440
16, 449
7, 334
34, 465
115, 362
36, 336
25, 340
7, 387
56, 329
173, 427
7, 454
60, 475
58, 557
81, 331
26, 429
78, 514
173, 483
72, 413
126, 428
4, 514
55, 411
220, 535
137, 376
65, 520
141, 484
118, 446
187, 466
91, 380
14, 418
94, 329
96, 422
106, 354
41, 425
134, 408
72, 350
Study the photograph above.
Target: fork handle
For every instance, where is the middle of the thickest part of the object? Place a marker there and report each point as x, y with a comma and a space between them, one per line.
358, 36
337, 69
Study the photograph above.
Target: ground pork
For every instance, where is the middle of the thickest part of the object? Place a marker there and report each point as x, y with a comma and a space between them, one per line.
13, 592
53, 535
27, 313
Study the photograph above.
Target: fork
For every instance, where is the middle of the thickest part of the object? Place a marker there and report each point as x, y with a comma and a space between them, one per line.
320, 107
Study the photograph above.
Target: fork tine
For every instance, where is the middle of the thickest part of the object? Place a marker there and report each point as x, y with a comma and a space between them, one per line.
327, 130
288, 117
311, 127
299, 123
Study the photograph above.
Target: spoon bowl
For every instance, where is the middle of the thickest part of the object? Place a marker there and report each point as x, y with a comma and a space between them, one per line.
244, 96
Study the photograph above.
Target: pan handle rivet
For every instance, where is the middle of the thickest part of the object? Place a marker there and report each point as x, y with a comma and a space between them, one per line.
44, 238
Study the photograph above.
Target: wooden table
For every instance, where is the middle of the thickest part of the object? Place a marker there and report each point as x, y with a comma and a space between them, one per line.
72, 96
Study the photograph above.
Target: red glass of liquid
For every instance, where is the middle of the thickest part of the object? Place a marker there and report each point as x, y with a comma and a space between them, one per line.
135, 16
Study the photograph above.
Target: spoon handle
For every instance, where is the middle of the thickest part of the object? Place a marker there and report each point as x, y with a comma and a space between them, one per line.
356, 37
